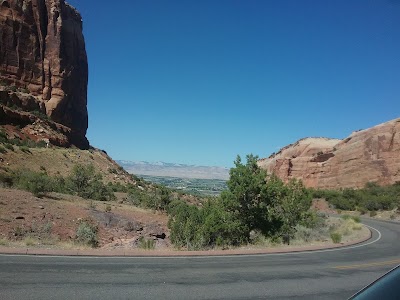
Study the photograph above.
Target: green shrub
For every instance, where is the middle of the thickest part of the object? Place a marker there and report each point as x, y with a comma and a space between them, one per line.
6, 180
370, 198
254, 202
41, 144
87, 234
9, 147
336, 237
24, 149
24, 90
87, 183
2, 149
36, 183
362, 210
372, 213
118, 187
3, 137
40, 115
12, 88
158, 198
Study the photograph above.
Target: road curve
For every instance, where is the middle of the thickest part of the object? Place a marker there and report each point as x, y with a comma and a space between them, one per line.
326, 274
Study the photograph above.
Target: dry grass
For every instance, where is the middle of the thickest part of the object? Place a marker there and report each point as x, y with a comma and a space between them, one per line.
347, 226
52, 243
30, 241
60, 161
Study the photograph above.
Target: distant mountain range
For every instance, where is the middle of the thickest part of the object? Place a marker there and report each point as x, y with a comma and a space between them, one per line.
174, 170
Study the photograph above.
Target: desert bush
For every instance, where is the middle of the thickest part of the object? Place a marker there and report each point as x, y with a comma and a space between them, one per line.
372, 213
3, 137
354, 218
107, 208
87, 234
336, 237
87, 183
254, 202
37, 183
112, 171
19, 232
9, 147
118, 187
40, 115
30, 241
303, 233
130, 226
307, 234
2, 149
362, 210
92, 205
210, 226
346, 226
23, 90
12, 88
370, 198
256, 237
158, 198
24, 149
46, 229
147, 244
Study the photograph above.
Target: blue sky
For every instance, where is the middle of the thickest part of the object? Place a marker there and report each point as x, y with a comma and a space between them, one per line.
199, 82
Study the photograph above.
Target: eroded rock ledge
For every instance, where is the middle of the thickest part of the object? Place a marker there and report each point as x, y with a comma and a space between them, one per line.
42, 53
370, 155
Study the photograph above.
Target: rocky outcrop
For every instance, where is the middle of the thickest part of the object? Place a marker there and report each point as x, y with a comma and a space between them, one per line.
43, 56
370, 155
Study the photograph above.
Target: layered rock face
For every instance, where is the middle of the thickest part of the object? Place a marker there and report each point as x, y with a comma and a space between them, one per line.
370, 155
42, 52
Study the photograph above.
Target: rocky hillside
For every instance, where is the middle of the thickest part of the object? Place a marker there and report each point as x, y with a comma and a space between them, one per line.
367, 155
43, 68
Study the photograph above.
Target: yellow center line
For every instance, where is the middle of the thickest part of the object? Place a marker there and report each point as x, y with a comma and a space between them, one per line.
381, 263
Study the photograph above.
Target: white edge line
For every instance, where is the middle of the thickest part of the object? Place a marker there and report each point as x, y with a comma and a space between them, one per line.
206, 256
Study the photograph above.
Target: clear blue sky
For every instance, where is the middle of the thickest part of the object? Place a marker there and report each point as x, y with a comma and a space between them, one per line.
199, 82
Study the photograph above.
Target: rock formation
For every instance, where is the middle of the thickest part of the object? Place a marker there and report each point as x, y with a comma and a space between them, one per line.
370, 155
43, 62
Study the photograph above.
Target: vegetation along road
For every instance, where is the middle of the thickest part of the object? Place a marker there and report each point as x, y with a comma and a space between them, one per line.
325, 274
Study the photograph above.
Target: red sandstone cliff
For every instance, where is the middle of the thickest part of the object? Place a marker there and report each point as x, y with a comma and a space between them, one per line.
43, 59
367, 155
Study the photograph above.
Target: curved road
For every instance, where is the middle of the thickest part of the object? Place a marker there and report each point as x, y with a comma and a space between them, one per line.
329, 274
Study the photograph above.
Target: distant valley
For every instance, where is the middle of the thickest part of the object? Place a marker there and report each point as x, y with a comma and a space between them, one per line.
174, 170
197, 180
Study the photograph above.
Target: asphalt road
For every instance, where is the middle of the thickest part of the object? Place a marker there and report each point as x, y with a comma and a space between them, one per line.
332, 274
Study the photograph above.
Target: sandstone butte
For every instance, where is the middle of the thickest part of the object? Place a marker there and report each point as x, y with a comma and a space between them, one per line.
43, 59
370, 155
